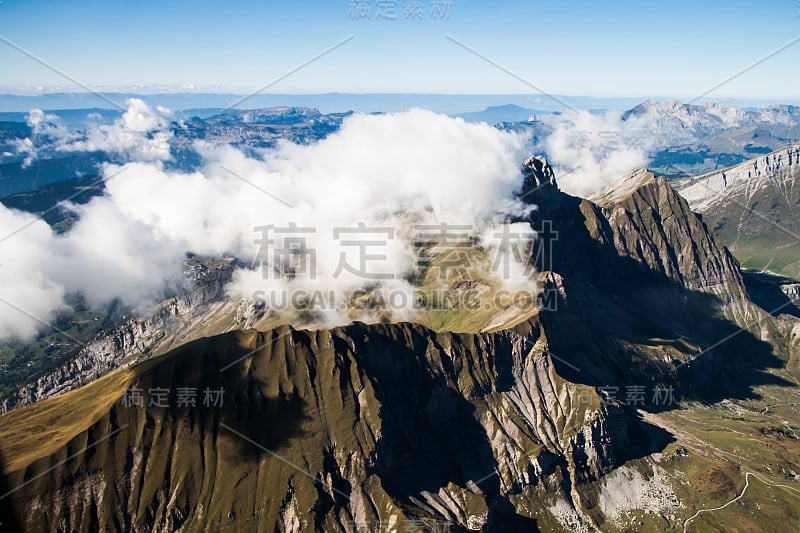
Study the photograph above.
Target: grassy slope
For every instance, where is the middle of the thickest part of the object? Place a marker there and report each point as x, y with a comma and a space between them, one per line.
40, 429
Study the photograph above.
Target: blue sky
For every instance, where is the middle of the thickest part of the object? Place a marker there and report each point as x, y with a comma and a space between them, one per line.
572, 47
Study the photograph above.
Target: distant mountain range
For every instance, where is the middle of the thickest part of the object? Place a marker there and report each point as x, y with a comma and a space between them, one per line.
254, 128
331, 102
685, 139
692, 139
503, 113
675, 122
327, 103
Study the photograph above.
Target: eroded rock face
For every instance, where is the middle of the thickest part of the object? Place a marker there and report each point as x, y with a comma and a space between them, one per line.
167, 325
655, 226
753, 209
363, 425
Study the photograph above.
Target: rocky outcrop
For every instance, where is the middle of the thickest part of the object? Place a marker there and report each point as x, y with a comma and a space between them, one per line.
653, 225
538, 173
539, 185
636, 263
792, 290
168, 324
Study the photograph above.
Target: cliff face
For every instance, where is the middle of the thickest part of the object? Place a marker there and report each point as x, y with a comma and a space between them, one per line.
334, 430
654, 226
753, 209
644, 288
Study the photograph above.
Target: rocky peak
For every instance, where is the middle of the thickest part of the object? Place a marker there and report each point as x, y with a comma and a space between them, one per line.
539, 186
654, 225
624, 187
538, 172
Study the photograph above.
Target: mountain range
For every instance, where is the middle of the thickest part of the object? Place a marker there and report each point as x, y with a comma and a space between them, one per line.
679, 139
691, 139
619, 405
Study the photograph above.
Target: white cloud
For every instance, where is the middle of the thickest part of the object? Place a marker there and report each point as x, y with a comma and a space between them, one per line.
389, 171
47, 130
26, 268
588, 151
141, 118
140, 134
46, 124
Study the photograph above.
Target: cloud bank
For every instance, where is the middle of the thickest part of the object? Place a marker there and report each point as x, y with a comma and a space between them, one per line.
383, 171
141, 134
